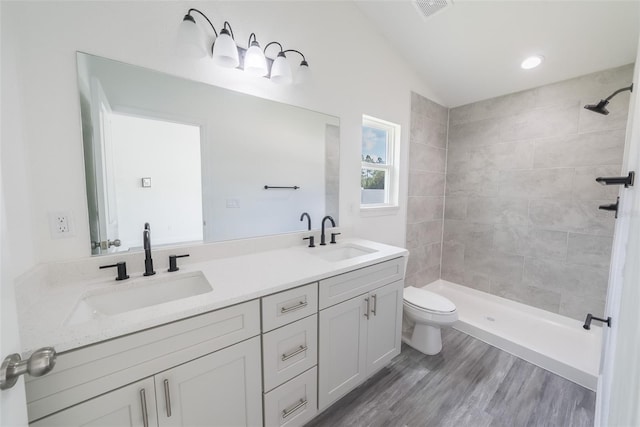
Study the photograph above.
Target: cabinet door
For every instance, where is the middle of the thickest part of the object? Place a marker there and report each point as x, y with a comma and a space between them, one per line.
221, 389
342, 349
385, 326
122, 407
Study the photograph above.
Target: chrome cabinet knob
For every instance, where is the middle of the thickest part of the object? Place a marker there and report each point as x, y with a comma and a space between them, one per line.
40, 363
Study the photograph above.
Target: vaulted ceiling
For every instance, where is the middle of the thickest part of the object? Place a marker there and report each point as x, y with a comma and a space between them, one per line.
472, 50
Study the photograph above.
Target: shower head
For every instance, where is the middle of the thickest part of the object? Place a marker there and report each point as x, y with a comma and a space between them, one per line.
600, 107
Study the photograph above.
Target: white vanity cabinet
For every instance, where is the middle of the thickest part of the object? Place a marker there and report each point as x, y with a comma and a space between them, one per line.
203, 370
290, 356
222, 388
125, 407
359, 335
274, 361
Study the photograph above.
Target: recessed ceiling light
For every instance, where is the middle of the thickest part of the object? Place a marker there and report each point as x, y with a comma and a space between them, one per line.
532, 62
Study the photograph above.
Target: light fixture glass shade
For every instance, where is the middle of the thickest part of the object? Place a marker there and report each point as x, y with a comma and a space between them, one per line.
225, 51
280, 70
255, 62
303, 74
190, 40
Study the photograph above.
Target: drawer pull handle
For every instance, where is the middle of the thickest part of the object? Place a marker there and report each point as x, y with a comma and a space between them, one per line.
366, 313
167, 397
143, 403
289, 411
298, 306
296, 352
375, 303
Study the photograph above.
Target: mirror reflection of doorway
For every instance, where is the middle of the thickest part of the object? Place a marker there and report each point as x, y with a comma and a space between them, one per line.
155, 169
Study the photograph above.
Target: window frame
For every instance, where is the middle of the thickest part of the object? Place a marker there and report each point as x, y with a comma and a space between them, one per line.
391, 166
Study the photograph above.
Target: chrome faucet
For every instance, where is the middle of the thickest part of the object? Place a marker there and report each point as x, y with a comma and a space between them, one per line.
146, 242
333, 224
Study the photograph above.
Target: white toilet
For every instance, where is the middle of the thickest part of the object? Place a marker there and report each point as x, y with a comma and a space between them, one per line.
430, 312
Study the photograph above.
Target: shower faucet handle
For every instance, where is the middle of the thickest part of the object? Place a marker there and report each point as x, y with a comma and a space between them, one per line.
612, 207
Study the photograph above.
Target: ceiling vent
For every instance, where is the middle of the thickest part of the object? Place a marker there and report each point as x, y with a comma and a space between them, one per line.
428, 8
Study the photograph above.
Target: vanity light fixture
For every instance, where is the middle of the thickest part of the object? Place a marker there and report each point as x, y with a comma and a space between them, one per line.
254, 60
532, 62
303, 74
226, 53
280, 69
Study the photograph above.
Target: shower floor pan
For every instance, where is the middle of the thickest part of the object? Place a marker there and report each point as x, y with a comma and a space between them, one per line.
553, 342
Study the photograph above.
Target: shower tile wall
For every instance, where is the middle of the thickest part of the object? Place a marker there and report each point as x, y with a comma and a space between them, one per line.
427, 151
521, 218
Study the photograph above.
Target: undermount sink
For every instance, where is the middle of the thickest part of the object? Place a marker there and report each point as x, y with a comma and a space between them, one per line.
342, 252
121, 298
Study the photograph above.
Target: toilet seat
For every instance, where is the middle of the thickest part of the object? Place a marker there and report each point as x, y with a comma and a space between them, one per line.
421, 299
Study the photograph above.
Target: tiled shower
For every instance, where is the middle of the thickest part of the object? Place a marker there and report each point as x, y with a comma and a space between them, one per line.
520, 217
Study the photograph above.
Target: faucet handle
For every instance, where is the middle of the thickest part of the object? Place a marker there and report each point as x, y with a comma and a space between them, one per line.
333, 237
173, 262
122, 270
311, 241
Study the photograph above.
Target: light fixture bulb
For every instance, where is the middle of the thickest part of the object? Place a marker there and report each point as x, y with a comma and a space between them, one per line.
532, 62
280, 70
303, 74
255, 62
225, 51
190, 41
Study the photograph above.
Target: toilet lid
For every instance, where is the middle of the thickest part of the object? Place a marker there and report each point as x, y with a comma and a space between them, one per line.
427, 300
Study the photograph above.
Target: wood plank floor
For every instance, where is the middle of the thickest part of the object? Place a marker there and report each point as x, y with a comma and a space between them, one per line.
470, 383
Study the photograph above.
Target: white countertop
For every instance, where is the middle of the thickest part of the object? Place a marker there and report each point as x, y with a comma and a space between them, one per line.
43, 308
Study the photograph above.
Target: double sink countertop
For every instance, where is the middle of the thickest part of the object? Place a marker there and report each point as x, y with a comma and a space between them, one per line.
48, 314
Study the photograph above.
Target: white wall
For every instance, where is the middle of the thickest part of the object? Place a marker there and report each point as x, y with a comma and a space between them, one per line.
169, 154
355, 72
17, 251
240, 170
619, 385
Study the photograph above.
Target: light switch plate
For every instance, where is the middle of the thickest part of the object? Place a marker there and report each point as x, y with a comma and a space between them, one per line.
233, 203
146, 182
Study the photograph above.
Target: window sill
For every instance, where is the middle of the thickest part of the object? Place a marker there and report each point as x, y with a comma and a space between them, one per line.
379, 210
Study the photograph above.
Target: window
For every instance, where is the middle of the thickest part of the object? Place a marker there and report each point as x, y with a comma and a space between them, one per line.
379, 174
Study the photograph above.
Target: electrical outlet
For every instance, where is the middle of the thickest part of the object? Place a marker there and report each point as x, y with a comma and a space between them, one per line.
60, 225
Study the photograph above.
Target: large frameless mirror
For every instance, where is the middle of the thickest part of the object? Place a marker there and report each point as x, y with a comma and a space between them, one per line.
198, 162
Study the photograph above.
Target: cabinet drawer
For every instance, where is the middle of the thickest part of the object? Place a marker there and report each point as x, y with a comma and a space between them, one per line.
345, 286
290, 350
90, 371
293, 403
289, 306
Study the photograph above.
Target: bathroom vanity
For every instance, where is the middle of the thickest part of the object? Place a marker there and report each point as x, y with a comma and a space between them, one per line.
281, 336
